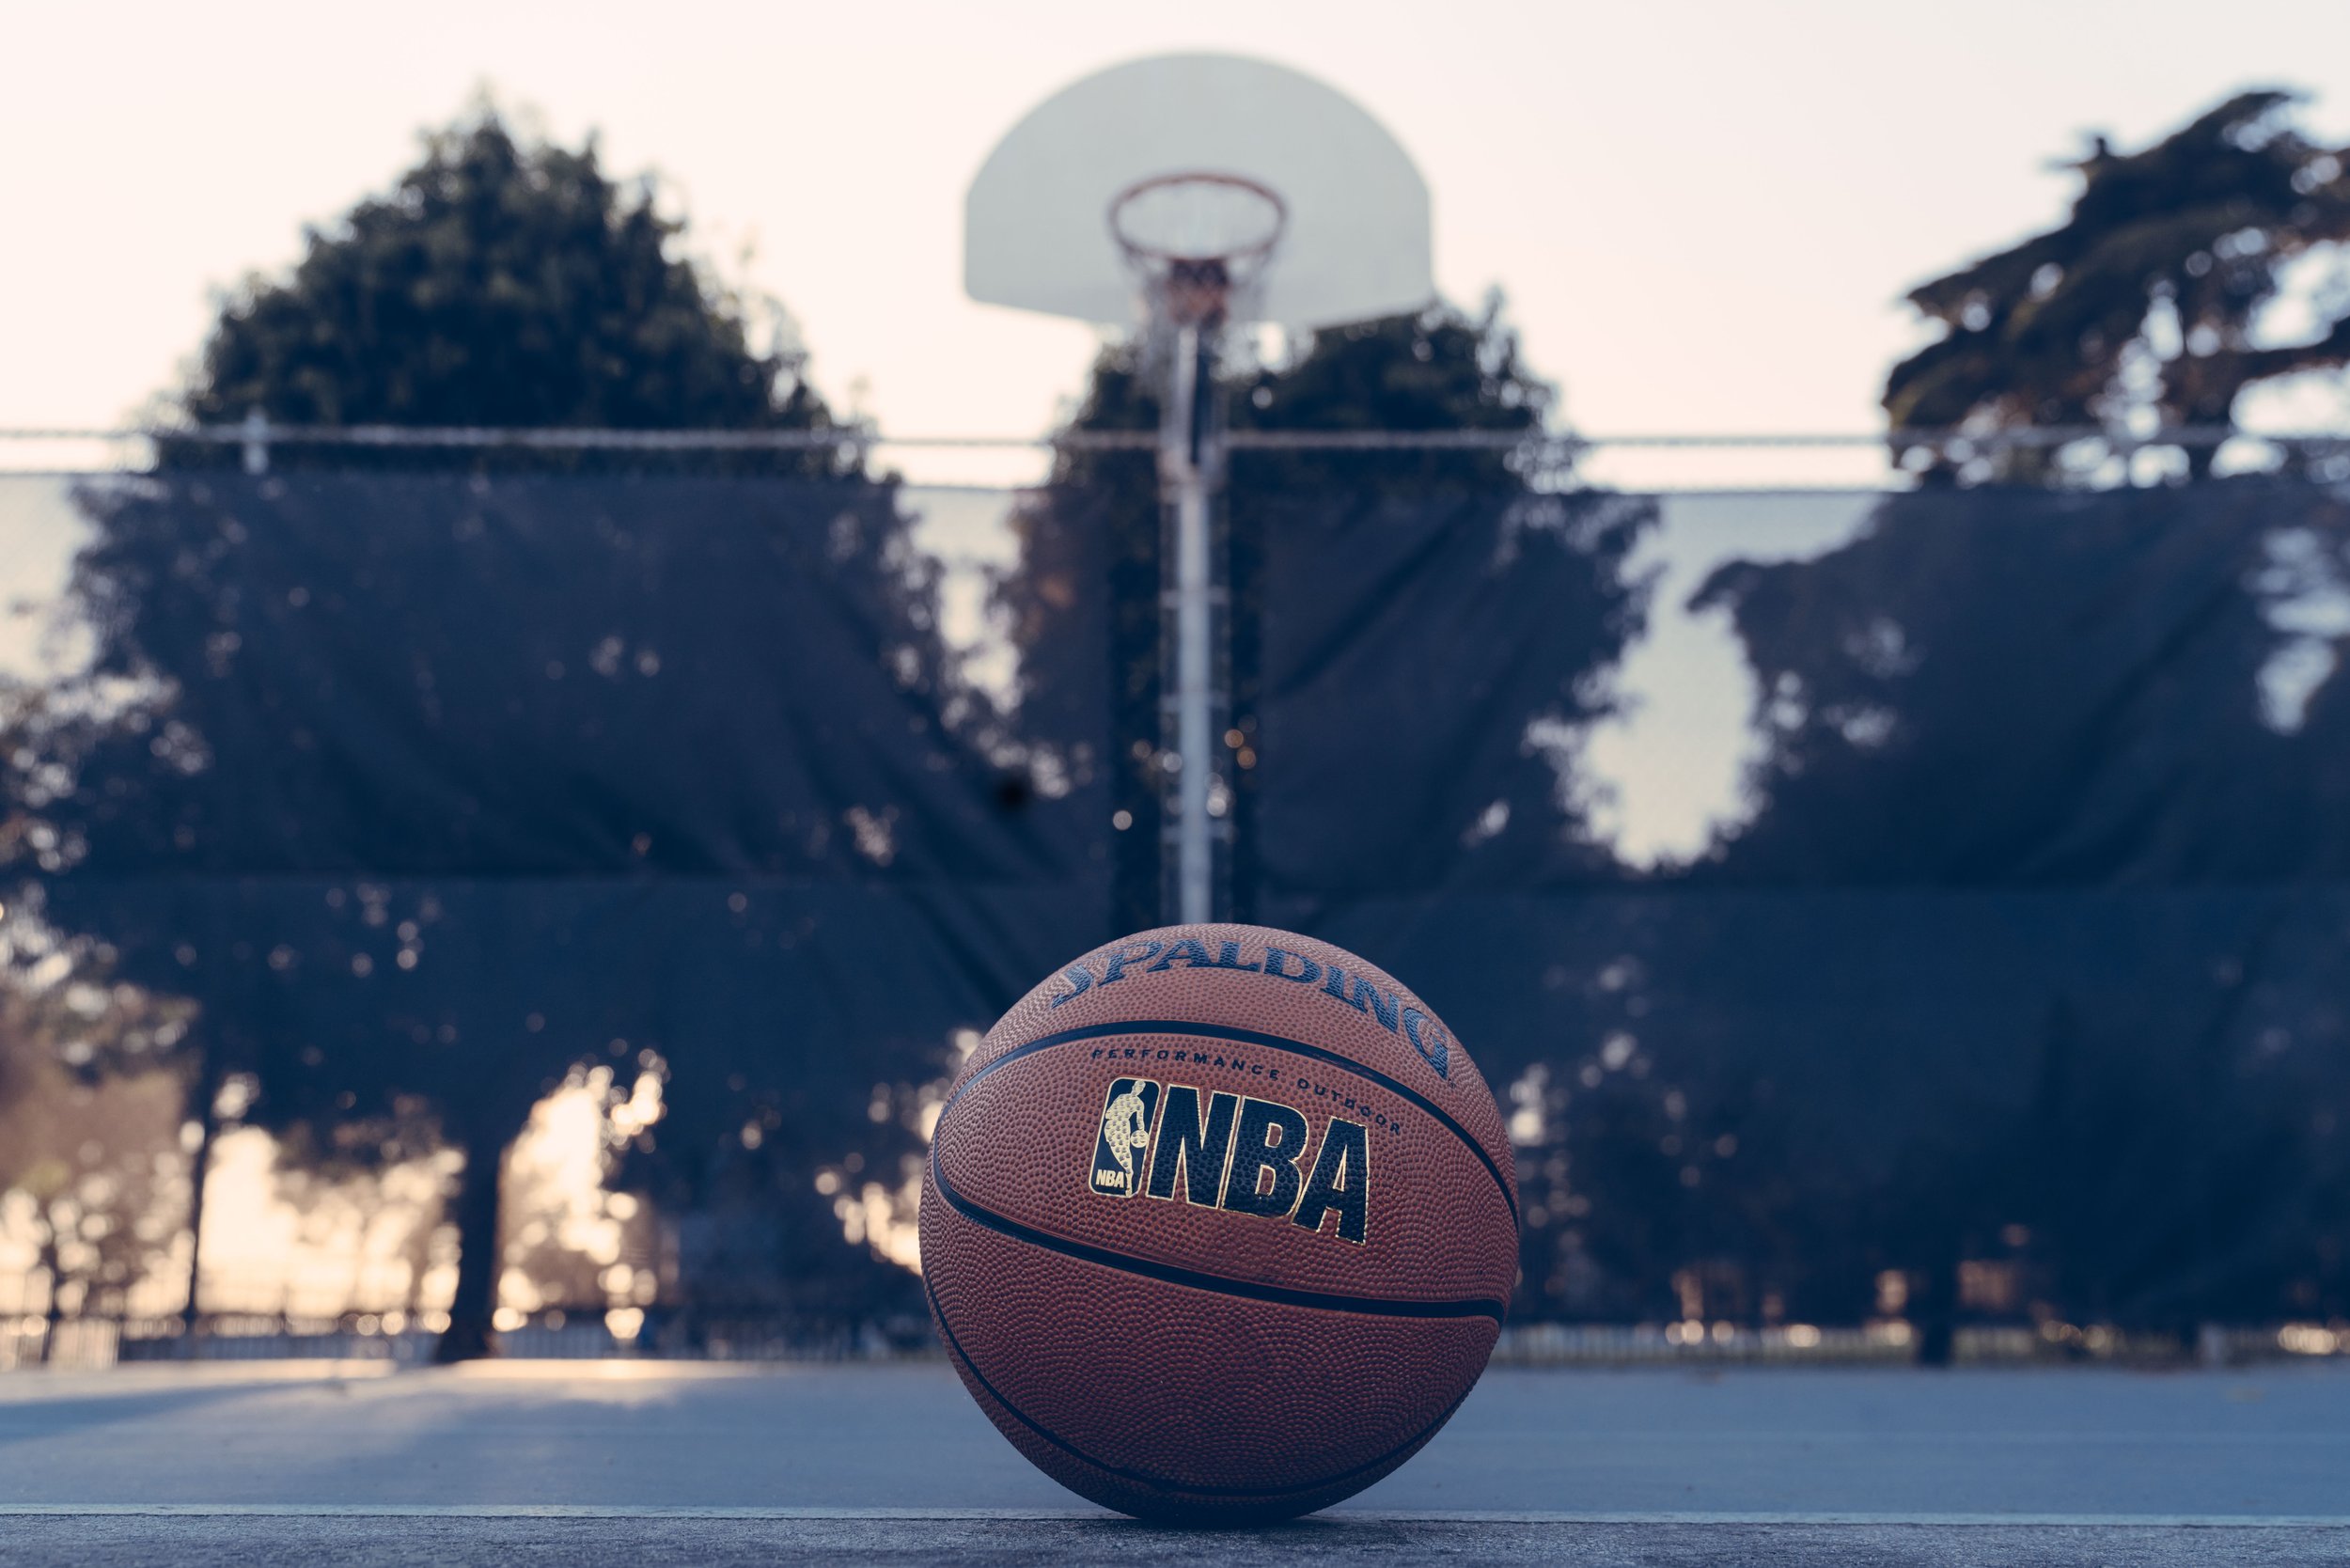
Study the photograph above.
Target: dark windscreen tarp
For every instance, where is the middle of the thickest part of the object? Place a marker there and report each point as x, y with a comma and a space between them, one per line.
413, 675
2020, 971
2028, 688
1424, 662
2027, 952
428, 788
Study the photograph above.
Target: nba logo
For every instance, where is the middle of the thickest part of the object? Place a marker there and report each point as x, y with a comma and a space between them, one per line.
1128, 1112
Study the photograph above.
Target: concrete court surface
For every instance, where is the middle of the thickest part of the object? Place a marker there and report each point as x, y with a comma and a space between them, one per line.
661, 1463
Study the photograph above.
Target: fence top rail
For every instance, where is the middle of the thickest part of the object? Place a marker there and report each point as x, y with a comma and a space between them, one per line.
264, 432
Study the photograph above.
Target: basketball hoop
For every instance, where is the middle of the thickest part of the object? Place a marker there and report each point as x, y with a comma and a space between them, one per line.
1197, 241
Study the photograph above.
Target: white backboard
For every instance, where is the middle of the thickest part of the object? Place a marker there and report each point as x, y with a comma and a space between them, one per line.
1035, 223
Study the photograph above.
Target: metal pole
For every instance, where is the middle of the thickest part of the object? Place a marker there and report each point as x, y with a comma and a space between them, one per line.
1186, 471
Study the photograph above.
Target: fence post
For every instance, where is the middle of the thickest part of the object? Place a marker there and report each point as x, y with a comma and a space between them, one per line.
256, 441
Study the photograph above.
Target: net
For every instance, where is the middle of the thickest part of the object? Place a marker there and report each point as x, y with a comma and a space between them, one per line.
1197, 241
2012, 944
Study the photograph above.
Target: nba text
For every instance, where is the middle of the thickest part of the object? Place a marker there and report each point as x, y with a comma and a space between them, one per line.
1231, 1152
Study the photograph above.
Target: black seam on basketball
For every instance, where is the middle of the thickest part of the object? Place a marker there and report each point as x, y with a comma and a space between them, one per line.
1371, 1306
938, 1310
1250, 1037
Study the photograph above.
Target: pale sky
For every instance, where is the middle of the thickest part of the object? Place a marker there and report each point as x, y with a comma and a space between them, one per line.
1704, 214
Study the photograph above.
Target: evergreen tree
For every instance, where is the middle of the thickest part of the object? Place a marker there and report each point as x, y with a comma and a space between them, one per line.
510, 284
501, 283
2145, 306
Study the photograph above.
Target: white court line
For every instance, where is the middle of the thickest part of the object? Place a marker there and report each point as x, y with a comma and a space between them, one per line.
1340, 1516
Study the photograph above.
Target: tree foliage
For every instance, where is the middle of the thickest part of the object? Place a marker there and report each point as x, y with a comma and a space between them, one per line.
91, 1094
1441, 370
2147, 305
505, 283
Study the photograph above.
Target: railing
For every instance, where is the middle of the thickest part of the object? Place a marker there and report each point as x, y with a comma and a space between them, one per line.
84, 1344
257, 434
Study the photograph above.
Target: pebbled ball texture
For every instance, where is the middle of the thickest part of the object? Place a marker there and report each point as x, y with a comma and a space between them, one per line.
1105, 1247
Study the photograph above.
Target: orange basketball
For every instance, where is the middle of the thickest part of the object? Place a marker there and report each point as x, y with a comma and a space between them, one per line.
1219, 1224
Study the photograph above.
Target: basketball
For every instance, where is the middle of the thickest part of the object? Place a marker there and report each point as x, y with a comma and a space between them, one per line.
1219, 1224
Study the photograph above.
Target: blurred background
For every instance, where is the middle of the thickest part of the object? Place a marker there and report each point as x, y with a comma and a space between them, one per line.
1855, 746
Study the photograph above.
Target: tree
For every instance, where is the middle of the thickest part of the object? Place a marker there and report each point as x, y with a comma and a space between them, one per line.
504, 284
1090, 577
2146, 306
1443, 370
90, 1111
